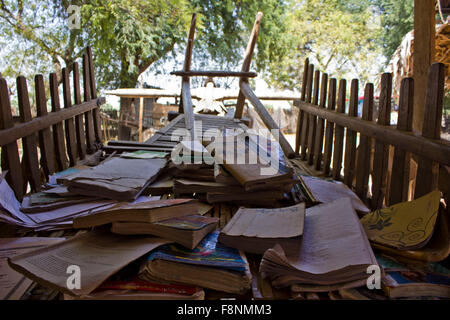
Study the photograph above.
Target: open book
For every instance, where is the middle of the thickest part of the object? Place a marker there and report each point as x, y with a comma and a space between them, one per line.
334, 250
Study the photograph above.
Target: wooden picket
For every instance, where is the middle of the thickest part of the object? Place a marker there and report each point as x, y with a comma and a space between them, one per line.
55, 136
323, 127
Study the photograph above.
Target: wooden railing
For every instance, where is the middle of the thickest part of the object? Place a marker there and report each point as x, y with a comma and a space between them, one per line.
62, 137
323, 126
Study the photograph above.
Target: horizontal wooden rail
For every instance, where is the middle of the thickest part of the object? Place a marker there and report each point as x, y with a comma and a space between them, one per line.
37, 124
438, 151
200, 73
266, 117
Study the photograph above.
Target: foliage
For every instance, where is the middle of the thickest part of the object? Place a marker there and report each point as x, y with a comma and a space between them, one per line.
397, 19
338, 36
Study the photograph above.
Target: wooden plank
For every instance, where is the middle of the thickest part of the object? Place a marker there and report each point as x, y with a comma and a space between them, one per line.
329, 133
423, 55
188, 57
188, 109
339, 133
45, 135
69, 125
318, 144
79, 126
218, 73
96, 111
305, 125
428, 170
267, 119
246, 64
30, 156
381, 156
350, 138
436, 150
301, 113
365, 147
58, 131
401, 164
89, 115
10, 153
312, 119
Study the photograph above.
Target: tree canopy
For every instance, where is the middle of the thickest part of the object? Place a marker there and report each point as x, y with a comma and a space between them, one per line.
341, 37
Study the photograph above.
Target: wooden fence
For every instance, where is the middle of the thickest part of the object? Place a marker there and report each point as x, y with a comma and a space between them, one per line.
323, 126
52, 141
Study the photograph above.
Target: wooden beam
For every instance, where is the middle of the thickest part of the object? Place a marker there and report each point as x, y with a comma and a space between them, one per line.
266, 118
247, 62
188, 56
10, 135
423, 55
218, 73
188, 109
436, 150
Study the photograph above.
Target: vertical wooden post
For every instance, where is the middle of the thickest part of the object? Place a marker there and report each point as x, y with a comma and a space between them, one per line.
329, 133
402, 159
301, 113
339, 132
69, 125
188, 56
320, 125
381, 156
30, 156
305, 124
10, 152
246, 64
427, 170
141, 116
313, 120
45, 135
81, 136
365, 147
58, 132
423, 54
350, 138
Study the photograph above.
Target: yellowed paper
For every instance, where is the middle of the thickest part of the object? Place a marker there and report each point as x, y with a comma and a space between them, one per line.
13, 284
97, 254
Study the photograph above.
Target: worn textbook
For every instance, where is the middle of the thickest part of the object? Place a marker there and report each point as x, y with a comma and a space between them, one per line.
148, 211
187, 230
334, 251
254, 161
210, 265
142, 290
120, 179
256, 230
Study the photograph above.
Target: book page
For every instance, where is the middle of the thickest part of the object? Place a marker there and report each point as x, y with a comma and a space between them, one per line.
267, 223
328, 191
13, 284
333, 239
98, 254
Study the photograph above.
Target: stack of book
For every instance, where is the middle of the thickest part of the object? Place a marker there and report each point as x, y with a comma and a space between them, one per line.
334, 254
210, 265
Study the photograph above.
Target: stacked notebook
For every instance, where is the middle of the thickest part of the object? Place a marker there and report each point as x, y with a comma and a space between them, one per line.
187, 230
334, 253
143, 212
118, 178
210, 265
257, 230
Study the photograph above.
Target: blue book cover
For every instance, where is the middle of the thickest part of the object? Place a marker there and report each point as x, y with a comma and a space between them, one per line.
209, 253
